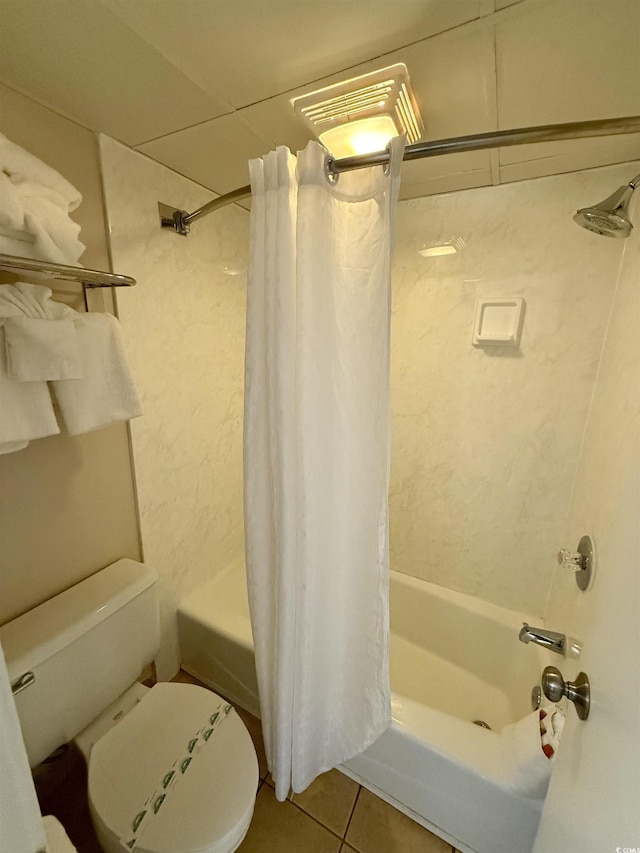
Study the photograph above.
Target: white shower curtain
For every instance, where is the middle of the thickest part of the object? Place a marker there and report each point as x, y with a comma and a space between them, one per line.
317, 457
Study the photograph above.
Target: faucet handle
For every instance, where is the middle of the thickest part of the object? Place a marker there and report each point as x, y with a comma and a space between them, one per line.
581, 561
571, 559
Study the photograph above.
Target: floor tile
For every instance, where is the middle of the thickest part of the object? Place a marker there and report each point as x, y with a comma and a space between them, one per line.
376, 827
329, 799
283, 828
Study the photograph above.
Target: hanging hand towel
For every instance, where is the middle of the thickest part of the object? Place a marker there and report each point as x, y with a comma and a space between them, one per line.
106, 393
38, 350
36, 201
26, 411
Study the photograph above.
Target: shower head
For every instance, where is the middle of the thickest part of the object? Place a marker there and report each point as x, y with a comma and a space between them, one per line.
611, 216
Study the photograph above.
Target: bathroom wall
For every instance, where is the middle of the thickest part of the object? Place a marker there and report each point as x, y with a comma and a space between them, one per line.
600, 755
486, 441
185, 326
67, 505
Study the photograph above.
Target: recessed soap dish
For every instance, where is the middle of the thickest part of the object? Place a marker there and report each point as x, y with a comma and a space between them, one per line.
498, 321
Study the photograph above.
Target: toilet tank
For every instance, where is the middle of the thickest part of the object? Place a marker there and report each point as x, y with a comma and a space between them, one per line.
85, 647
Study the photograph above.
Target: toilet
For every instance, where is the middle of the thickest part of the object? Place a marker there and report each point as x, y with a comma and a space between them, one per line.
171, 768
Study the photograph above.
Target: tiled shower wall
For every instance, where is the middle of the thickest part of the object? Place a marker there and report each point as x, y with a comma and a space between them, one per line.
184, 327
486, 442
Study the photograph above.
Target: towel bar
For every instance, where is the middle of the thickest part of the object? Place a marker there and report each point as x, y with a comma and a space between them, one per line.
87, 278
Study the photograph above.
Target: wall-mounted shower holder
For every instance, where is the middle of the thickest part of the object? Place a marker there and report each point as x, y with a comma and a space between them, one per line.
582, 561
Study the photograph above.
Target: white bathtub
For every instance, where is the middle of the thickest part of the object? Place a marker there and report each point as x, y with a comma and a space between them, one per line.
454, 659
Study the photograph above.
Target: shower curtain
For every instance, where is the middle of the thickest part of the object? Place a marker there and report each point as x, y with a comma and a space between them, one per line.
316, 462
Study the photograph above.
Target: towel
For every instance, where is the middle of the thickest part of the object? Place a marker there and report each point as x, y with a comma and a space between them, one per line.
35, 203
26, 411
57, 839
522, 748
20, 821
38, 349
551, 728
24, 299
106, 392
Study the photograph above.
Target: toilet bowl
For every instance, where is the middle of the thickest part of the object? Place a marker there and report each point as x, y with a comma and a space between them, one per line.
171, 768
168, 779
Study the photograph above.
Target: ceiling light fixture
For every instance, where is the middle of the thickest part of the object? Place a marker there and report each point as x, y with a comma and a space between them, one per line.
442, 247
361, 115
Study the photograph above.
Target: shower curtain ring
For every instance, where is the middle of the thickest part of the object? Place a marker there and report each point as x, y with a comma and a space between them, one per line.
329, 174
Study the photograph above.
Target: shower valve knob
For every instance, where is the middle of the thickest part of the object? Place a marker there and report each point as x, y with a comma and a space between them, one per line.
581, 561
571, 559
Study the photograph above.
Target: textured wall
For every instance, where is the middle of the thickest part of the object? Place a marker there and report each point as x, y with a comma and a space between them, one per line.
67, 504
184, 325
486, 442
601, 755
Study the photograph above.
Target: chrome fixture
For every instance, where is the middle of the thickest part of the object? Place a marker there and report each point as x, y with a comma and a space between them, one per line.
549, 639
179, 220
536, 697
578, 691
22, 683
582, 561
87, 278
611, 216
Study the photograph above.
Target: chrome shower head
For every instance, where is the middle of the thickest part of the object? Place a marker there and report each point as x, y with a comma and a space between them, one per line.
611, 216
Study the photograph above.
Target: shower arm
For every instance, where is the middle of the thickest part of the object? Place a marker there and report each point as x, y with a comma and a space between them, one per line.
180, 220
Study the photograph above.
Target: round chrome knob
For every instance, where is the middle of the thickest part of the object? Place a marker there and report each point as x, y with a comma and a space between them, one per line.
555, 687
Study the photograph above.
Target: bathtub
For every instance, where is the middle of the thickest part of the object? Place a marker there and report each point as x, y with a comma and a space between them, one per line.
453, 659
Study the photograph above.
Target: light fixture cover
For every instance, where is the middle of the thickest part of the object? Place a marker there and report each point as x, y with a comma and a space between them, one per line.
361, 115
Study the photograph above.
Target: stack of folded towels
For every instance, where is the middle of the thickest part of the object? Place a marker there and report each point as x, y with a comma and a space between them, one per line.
50, 352
35, 203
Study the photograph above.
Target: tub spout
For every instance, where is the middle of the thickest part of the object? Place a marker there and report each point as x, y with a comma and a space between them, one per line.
549, 639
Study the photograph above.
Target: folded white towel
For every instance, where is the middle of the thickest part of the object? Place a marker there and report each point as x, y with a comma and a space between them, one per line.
57, 839
529, 767
22, 166
26, 411
39, 350
36, 200
106, 393
55, 235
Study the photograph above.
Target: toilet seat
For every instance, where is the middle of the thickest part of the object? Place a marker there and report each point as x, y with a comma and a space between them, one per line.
173, 777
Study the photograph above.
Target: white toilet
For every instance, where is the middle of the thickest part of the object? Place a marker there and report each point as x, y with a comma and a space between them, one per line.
172, 768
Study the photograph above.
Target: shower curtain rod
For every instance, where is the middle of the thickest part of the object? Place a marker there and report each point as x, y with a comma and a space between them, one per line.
180, 220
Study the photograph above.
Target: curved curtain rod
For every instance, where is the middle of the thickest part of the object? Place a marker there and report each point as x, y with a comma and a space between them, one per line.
180, 220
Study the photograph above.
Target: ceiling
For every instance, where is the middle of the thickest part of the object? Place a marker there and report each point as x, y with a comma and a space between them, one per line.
204, 85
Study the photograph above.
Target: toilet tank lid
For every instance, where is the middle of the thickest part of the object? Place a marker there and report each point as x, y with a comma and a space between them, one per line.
34, 637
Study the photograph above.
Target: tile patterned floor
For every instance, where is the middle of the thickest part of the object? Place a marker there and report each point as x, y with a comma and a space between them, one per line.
334, 815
